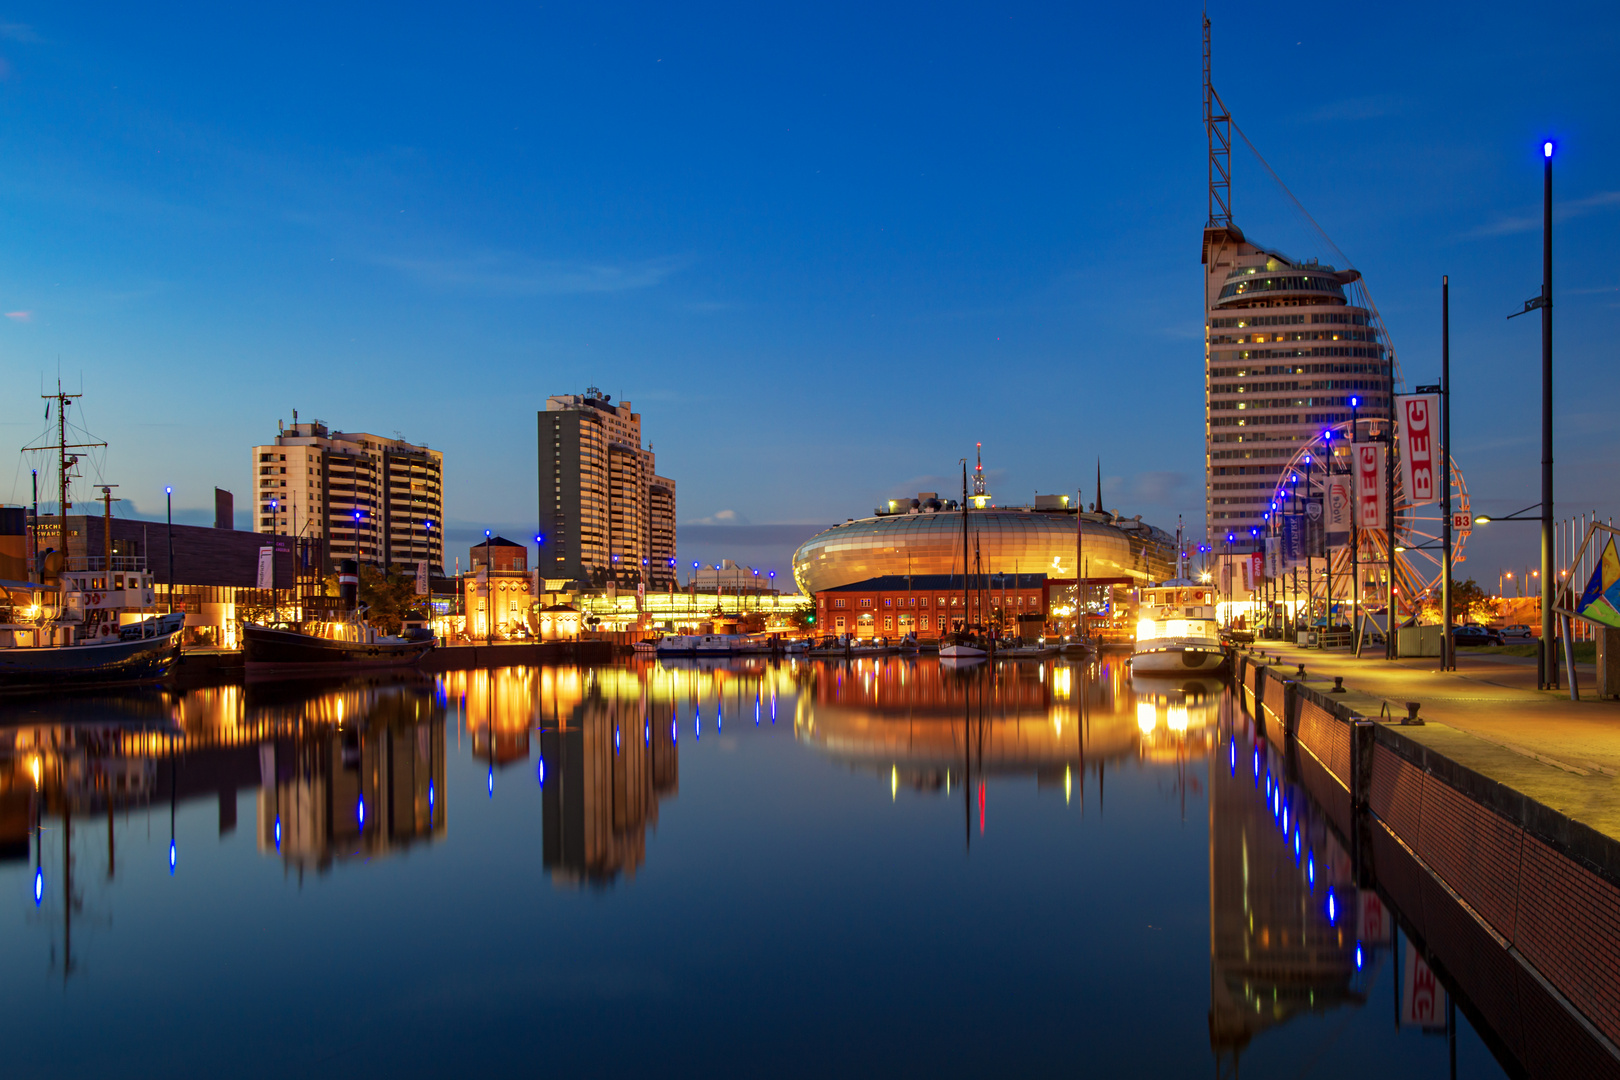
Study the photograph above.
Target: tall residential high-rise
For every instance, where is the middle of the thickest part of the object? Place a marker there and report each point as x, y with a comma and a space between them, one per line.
1287, 344
366, 497
605, 513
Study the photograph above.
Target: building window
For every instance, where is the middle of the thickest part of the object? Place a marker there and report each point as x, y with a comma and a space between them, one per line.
839, 602
840, 622
887, 602
888, 622
866, 601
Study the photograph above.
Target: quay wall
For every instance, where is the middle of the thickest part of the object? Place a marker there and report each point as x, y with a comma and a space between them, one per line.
1516, 901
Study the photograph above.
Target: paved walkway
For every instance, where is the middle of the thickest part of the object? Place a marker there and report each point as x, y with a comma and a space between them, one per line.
1489, 716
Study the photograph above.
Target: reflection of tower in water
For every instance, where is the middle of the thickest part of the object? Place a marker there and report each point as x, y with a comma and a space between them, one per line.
605, 764
362, 786
1277, 946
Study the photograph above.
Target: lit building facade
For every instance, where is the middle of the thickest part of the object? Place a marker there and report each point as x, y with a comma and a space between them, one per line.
366, 497
929, 605
605, 513
1286, 350
501, 586
919, 538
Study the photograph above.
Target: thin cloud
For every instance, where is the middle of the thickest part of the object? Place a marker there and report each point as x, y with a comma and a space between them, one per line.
517, 275
21, 316
723, 517
1563, 211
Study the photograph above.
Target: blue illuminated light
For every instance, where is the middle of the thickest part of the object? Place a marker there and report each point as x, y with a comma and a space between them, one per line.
39, 886
616, 740
1354, 402
697, 722
172, 856
492, 781
1358, 956
540, 774
1310, 868
1233, 756
756, 708
1547, 149
1332, 909
673, 738
278, 830
646, 733
1296, 843
360, 812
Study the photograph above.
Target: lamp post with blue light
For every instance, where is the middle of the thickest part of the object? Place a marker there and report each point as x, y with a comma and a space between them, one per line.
168, 497
1546, 667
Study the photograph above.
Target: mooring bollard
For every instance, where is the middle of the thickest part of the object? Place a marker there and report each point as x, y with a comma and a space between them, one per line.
1301, 672
1412, 719
1338, 685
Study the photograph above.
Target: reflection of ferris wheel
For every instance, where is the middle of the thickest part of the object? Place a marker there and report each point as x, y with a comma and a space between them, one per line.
1418, 539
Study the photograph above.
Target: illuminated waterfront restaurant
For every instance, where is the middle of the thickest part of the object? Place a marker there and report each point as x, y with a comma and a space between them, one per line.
931, 604
923, 536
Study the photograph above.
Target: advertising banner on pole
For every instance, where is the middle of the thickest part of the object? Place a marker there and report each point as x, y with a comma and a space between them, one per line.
1247, 566
1315, 529
1257, 568
1339, 508
267, 565
1369, 466
1273, 561
421, 578
1293, 540
1419, 436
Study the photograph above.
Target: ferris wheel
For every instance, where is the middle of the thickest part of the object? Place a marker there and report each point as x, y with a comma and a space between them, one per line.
1321, 469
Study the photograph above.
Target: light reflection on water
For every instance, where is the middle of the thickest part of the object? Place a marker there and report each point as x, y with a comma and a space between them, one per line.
1034, 854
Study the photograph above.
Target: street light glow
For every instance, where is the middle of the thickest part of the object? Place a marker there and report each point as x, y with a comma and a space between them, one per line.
1547, 148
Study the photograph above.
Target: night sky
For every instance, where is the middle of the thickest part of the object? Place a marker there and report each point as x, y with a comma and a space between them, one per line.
822, 248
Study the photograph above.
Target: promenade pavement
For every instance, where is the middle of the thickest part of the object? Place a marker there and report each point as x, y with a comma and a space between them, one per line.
1489, 716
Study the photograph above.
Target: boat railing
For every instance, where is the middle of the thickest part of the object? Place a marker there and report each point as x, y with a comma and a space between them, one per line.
93, 563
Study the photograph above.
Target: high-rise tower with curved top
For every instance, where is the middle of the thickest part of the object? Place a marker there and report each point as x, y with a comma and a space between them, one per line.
1287, 346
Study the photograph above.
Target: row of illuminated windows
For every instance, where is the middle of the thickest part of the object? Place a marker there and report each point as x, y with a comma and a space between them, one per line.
1300, 369
1296, 335
1031, 602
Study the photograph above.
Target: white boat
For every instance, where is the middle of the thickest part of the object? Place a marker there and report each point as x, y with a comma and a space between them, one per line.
1176, 632
962, 647
712, 645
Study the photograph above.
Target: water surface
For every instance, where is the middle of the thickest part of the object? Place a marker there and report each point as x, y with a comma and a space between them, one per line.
757, 867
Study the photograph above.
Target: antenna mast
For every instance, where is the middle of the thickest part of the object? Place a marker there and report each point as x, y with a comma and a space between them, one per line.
64, 463
1218, 126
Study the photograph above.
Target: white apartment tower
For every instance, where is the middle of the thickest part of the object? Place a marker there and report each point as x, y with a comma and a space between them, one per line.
1287, 345
605, 513
367, 497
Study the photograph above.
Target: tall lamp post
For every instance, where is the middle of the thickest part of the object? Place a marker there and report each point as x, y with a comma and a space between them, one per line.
1546, 669
275, 608
168, 497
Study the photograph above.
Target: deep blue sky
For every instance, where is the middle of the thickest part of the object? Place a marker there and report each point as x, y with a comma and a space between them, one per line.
824, 248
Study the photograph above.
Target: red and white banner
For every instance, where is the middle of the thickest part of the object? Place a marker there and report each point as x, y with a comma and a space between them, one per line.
1419, 433
1369, 466
1423, 999
1257, 568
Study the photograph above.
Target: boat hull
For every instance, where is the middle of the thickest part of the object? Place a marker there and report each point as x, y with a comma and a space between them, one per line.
1176, 658
66, 666
264, 647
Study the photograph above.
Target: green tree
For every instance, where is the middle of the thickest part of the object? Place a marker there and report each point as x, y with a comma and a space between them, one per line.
1468, 602
390, 598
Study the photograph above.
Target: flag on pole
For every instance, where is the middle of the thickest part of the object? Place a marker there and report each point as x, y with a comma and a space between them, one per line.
1601, 601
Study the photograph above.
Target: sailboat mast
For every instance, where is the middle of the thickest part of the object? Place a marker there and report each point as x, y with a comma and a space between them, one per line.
61, 469
964, 547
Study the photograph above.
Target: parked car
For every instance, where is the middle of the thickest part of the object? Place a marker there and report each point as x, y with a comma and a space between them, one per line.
1475, 635
1516, 632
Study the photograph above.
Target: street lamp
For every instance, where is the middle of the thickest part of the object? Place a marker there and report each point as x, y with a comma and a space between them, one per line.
275, 506
168, 497
1547, 671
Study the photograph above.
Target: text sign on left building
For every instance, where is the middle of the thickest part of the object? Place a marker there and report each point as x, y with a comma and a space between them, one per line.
1420, 447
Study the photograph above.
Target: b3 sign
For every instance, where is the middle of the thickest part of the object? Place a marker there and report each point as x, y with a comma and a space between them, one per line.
1420, 448
1369, 466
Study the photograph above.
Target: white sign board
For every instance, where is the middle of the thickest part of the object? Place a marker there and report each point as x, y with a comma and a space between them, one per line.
267, 569
1368, 461
421, 578
1423, 999
1420, 448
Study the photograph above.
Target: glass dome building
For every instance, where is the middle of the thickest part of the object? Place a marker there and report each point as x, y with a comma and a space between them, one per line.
1010, 540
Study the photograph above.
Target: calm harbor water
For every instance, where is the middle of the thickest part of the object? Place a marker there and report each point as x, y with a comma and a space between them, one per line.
760, 867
